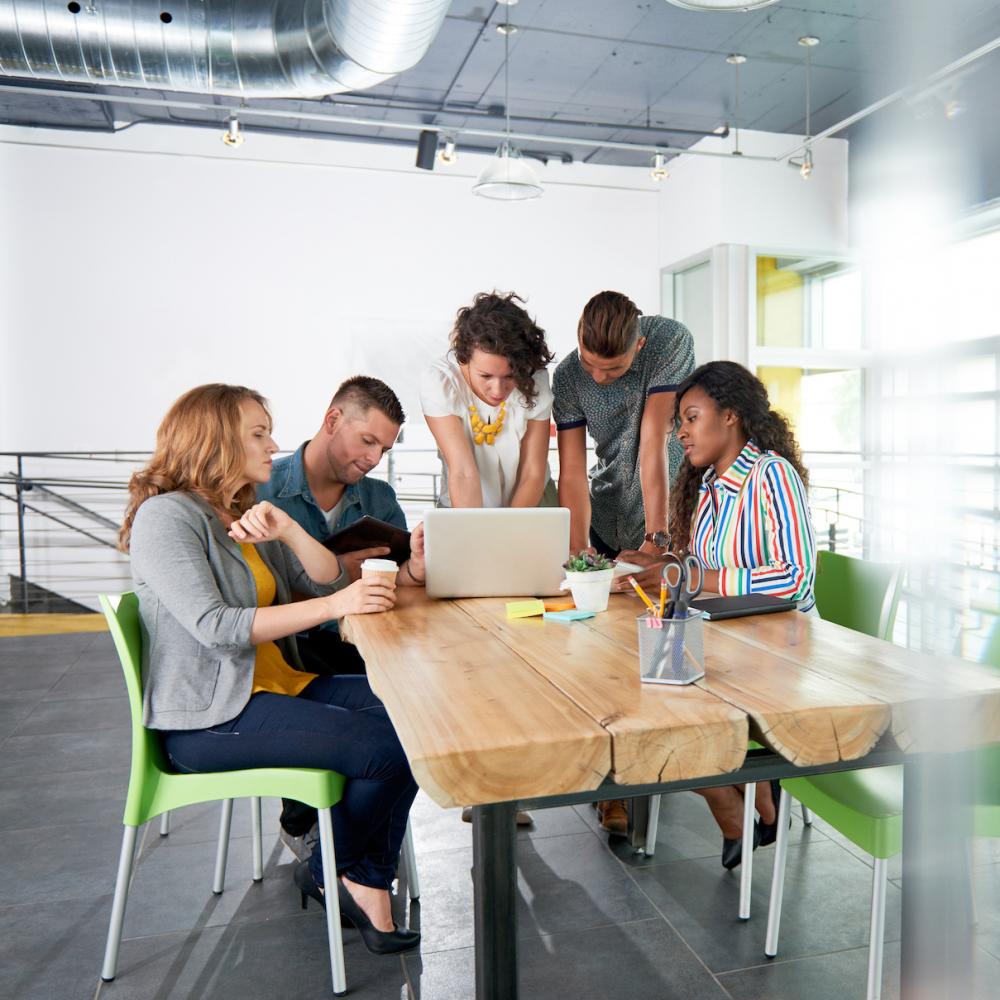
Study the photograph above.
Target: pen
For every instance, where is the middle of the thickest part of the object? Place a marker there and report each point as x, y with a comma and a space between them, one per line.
645, 600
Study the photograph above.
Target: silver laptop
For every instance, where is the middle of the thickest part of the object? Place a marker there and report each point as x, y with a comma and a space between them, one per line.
496, 552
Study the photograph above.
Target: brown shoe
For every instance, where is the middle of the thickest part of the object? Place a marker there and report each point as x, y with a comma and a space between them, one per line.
613, 816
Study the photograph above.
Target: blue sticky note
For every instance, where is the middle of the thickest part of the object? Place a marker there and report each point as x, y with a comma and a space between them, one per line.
568, 616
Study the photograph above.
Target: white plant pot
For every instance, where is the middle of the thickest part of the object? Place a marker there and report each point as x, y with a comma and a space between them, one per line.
590, 590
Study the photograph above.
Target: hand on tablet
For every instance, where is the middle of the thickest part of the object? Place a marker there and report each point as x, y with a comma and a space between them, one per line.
351, 561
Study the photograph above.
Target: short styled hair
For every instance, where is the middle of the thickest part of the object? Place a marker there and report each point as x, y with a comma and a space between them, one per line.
366, 393
609, 324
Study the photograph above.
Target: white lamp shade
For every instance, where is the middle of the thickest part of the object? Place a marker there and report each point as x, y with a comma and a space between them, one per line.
722, 4
507, 177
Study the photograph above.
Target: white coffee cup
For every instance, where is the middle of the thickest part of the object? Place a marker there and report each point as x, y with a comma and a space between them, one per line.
384, 568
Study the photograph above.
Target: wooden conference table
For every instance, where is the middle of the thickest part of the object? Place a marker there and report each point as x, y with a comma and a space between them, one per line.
497, 713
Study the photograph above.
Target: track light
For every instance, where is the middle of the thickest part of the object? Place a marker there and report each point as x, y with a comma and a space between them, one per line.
448, 154
805, 165
659, 168
233, 136
427, 146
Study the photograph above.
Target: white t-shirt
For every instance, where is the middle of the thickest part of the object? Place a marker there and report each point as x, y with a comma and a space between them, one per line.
445, 393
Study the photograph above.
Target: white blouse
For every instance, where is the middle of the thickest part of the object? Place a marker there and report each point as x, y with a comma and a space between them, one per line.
445, 393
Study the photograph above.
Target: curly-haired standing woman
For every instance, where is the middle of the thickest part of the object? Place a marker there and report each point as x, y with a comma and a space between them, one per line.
214, 572
739, 505
488, 402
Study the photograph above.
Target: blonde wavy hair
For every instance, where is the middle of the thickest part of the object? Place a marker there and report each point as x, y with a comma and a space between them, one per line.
199, 449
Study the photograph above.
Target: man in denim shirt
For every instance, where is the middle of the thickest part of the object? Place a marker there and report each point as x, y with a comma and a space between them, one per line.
325, 487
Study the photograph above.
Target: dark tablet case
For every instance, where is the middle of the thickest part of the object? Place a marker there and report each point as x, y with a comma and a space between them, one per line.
719, 608
369, 532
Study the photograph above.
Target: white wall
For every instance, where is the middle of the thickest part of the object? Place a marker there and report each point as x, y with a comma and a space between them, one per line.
135, 266
714, 200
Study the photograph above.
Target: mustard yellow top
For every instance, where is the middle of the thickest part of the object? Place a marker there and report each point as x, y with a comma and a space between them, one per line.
270, 671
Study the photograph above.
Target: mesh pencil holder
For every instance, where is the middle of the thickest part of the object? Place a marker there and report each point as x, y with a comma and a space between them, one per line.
671, 650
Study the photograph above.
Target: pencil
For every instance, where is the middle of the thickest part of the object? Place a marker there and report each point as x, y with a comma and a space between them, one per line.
645, 600
663, 597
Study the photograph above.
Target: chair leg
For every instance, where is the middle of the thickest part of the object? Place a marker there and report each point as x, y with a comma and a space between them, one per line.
337, 970
125, 862
410, 864
652, 823
877, 934
778, 877
258, 846
222, 851
807, 817
165, 824
746, 864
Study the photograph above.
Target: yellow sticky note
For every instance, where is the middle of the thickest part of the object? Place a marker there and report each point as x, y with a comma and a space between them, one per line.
525, 609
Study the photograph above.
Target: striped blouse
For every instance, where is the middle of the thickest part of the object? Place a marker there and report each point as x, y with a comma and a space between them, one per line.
753, 525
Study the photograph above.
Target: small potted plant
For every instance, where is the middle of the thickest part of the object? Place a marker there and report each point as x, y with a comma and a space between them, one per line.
589, 577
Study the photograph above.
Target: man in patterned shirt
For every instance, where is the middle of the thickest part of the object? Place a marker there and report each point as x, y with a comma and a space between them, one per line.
619, 385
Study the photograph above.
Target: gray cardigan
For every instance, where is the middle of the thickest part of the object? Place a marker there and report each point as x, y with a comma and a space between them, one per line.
197, 600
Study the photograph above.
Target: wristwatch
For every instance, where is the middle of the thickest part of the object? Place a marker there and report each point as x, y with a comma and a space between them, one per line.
658, 538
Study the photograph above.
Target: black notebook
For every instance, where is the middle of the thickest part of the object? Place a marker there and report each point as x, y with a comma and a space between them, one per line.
717, 608
368, 533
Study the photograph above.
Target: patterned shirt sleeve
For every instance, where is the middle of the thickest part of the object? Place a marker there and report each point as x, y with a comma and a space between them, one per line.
676, 364
566, 409
787, 526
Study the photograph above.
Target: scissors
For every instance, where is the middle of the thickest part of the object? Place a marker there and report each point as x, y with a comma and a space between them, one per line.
683, 579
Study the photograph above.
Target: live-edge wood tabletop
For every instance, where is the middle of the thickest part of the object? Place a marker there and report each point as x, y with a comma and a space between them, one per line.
490, 709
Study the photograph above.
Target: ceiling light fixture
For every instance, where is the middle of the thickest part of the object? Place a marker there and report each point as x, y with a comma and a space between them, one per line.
720, 5
805, 165
659, 170
448, 153
233, 136
427, 146
736, 61
507, 177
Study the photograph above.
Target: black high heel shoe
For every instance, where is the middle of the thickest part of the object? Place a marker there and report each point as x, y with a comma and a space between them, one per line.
769, 831
307, 886
376, 941
732, 850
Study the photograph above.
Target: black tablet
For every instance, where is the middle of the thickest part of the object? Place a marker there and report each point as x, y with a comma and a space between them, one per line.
718, 608
369, 532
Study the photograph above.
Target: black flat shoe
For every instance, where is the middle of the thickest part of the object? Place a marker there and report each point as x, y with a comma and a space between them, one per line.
307, 886
769, 831
732, 850
376, 941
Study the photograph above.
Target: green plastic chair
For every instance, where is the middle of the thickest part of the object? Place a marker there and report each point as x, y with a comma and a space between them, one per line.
153, 790
867, 806
858, 594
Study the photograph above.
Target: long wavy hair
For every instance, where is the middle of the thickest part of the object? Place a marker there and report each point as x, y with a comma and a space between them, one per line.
496, 324
199, 449
731, 387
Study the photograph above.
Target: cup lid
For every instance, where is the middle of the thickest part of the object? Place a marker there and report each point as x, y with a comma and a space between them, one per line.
382, 565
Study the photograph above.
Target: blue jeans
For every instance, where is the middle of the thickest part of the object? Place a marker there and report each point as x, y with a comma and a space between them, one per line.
336, 723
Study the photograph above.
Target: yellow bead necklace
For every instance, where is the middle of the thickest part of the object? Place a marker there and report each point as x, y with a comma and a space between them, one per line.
482, 432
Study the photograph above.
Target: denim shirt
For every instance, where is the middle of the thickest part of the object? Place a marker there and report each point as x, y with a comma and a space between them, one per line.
289, 490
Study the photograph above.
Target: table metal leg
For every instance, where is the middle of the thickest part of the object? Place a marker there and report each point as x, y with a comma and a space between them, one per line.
937, 943
494, 876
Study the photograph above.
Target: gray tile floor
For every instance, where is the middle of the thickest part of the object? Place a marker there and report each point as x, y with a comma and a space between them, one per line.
595, 921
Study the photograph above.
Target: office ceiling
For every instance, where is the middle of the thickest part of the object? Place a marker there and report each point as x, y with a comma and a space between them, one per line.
631, 70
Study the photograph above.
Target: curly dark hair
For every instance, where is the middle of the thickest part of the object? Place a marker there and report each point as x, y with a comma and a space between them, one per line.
496, 324
734, 388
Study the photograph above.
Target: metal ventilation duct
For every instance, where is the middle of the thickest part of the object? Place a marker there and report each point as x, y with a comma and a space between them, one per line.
243, 48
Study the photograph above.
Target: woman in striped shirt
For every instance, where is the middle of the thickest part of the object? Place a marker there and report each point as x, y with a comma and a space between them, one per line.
739, 505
